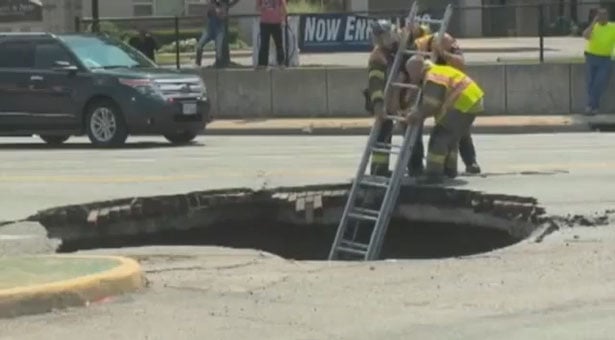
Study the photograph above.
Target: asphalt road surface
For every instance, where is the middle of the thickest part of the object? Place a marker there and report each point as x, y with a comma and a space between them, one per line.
574, 172
561, 288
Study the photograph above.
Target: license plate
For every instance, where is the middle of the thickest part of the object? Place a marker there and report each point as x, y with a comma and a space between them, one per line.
189, 108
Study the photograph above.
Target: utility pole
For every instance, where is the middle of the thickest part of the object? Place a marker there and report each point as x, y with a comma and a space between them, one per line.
95, 17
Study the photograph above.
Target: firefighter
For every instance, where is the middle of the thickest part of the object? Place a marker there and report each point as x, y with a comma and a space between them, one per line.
447, 52
454, 99
385, 39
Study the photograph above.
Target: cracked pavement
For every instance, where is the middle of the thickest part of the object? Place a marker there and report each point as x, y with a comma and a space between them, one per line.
561, 287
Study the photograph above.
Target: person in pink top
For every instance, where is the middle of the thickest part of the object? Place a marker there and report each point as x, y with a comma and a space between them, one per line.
273, 14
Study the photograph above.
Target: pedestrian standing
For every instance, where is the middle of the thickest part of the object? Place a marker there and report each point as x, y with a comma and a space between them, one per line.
600, 36
145, 43
214, 31
272, 15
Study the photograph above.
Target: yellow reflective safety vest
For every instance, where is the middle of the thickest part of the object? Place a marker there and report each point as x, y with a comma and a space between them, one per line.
602, 40
470, 95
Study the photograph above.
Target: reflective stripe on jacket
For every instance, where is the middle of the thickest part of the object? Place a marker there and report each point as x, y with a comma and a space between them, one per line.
458, 85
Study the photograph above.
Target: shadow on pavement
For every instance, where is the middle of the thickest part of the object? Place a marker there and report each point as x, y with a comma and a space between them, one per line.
457, 182
88, 146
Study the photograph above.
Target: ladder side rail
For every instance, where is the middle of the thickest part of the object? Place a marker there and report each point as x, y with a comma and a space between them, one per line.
408, 143
342, 227
390, 198
383, 219
448, 12
352, 194
410, 138
403, 45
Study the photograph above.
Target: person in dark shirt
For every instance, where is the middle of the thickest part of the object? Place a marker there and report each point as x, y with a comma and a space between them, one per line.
145, 43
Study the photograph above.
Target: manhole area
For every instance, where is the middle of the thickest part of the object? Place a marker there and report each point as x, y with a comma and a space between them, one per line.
404, 239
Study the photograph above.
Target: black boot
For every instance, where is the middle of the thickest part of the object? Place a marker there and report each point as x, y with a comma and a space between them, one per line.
450, 173
473, 169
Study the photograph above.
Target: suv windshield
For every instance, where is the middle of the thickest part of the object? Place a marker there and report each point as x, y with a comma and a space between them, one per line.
104, 52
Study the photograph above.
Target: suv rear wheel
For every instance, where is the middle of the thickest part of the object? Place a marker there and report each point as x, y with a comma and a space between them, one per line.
105, 124
181, 137
54, 140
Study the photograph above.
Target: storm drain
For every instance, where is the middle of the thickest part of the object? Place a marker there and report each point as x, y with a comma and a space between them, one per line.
296, 222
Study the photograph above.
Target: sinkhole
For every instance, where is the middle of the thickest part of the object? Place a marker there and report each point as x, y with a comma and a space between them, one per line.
404, 240
296, 223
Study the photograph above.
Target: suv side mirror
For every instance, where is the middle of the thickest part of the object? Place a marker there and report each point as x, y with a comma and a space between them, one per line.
62, 65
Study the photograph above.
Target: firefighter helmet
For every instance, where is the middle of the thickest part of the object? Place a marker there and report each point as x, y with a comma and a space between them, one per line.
384, 33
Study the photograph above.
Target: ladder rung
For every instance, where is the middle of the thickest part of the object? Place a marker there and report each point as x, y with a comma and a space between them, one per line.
404, 85
396, 118
387, 146
375, 181
367, 212
354, 245
358, 216
351, 251
429, 21
382, 150
424, 53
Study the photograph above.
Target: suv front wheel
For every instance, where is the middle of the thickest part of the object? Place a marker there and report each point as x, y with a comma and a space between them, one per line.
105, 125
181, 137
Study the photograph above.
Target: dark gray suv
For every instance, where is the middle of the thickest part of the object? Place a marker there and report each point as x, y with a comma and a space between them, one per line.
56, 86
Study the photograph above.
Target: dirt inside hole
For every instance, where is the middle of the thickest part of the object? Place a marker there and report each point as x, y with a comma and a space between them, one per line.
404, 240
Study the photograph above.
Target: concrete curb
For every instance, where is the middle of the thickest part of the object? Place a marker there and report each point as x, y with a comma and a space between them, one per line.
364, 130
80, 291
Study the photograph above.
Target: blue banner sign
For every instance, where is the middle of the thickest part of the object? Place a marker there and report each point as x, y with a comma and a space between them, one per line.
334, 33
329, 33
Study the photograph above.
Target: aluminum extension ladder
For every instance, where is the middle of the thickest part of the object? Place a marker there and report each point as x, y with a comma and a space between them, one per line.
355, 216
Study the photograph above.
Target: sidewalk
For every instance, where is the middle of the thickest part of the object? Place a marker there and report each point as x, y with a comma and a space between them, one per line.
40, 284
362, 126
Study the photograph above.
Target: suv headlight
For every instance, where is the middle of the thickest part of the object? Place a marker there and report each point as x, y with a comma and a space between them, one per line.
144, 86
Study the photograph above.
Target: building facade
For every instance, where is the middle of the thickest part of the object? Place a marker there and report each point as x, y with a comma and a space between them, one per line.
472, 18
38, 15
141, 8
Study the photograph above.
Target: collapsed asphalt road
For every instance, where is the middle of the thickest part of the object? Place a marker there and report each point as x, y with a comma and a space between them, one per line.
299, 223
567, 174
296, 222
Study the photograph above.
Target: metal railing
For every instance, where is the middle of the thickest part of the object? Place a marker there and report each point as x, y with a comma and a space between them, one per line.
540, 20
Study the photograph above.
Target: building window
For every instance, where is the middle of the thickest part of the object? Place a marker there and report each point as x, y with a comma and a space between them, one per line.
195, 7
143, 8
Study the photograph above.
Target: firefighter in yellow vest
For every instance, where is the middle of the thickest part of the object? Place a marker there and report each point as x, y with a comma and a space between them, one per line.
447, 52
454, 99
